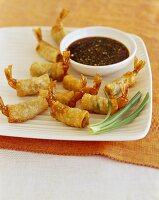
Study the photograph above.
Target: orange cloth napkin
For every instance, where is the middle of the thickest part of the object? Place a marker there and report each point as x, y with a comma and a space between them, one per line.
141, 152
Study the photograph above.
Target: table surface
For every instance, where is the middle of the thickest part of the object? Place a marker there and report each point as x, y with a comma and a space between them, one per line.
38, 176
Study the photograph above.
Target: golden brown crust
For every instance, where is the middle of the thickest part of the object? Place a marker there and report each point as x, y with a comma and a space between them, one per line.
66, 97
27, 110
96, 85
27, 87
98, 104
69, 116
129, 79
94, 103
24, 111
57, 30
45, 49
72, 83
56, 71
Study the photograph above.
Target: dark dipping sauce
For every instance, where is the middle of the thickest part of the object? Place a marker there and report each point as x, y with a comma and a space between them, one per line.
98, 51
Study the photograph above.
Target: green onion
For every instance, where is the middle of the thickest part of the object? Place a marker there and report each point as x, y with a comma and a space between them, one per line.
125, 121
116, 116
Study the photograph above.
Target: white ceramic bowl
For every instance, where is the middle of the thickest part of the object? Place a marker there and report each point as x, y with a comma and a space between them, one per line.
123, 37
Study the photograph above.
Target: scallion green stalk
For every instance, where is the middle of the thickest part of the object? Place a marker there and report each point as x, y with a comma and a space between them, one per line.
123, 122
117, 115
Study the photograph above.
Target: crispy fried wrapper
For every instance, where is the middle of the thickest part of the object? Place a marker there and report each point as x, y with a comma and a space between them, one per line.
96, 85
56, 71
24, 111
98, 104
46, 50
129, 78
70, 116
72, 83
65, 97
57, 30
27, 87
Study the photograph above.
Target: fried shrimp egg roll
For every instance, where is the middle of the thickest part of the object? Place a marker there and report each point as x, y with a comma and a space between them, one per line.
63, 97
27, 87
99, 104
45, 49
57, 30
129, 78
56, 71
24, 111
66, 97
72, 83
70, 116
95, 88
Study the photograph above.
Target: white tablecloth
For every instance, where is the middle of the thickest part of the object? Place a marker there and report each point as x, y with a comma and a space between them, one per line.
29, 176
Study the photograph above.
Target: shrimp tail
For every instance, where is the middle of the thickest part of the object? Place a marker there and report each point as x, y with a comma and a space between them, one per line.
97, 83
138, 65
59, 20
8, 73
95, 88
83, 80
38, 34
51, 93
4, 108
123, 99
57, 30
78, 94
66, 57
66, 61
63, 14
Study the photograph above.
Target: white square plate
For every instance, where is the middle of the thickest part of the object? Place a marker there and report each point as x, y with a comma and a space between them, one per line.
17, 47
